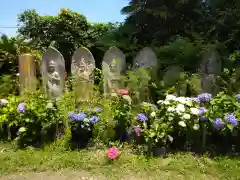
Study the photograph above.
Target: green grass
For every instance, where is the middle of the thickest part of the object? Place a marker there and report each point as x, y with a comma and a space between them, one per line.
128, 166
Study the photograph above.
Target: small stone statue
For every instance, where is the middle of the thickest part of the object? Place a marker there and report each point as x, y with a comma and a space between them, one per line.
113, 77
113, 67
53, 84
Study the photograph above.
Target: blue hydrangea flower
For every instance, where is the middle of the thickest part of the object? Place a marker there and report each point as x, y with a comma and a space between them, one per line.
72, 116
21, 108
230, 118
97, 109
94, 119
218, 124
142, 117
205, 97
203, 118
238, 96
195, 99
202, 110
81, 116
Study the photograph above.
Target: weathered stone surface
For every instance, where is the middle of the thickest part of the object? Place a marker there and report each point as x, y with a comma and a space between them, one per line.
113, 67
209, 69
145, 58
82, 68
53, 72
27, 71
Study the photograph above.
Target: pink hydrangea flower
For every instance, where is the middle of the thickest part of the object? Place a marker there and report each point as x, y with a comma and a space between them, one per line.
113, 153
138, 131
122, 92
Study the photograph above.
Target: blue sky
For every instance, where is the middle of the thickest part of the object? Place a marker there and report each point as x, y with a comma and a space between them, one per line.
94, 10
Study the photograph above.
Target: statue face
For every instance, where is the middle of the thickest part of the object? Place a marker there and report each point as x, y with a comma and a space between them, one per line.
52, 67
82, 65
113, 66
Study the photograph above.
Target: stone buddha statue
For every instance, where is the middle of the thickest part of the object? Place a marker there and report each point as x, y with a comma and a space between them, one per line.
53, 83
83, 81
113, 76
84, 70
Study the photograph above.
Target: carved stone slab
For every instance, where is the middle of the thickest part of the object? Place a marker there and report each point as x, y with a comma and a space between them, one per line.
209, 69
82, 68
113, 66
53, 72
27, 72
145, 58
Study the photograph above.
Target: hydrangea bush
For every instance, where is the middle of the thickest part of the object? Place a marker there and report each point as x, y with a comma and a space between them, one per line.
224, 112
121, 106
115, 118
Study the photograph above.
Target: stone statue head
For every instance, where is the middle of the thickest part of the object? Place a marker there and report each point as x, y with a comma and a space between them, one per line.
82, 65
52, 66
113, 65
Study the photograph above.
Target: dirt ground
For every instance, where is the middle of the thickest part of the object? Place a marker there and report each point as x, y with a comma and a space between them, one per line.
48, 175
69, 175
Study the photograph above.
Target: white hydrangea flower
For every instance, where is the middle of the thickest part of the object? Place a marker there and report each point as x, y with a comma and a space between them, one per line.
194, 111
171, 109
180, 108
166, 102
160, 101
3, 101
181, 100
186, 116
171, 97
153, 114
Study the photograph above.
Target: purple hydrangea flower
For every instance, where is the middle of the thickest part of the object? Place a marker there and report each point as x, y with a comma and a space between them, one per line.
137, 130
218, 124
205, 97
202, 110
142, 117
230, 118
238, 96
94, 119
21, 108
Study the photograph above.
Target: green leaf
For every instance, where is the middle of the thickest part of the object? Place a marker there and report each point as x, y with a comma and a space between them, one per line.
182, 123
22, 129
27, 120
152, 134
145, 125
230, 126
162, 135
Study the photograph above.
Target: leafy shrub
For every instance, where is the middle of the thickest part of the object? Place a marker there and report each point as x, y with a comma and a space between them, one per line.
121, 105
82, 123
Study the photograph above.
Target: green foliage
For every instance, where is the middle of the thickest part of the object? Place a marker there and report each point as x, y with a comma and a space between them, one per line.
181, 52
138, 82
104, 130
222, 105
66, 31
11, 48
9, 85
121, 106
